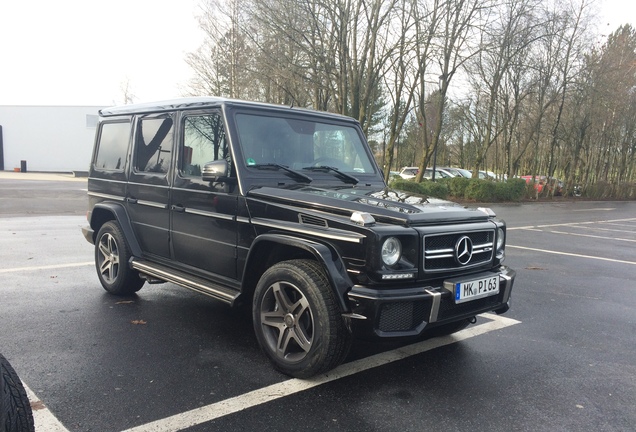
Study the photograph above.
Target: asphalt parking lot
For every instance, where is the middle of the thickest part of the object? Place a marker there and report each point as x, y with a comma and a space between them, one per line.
562, 359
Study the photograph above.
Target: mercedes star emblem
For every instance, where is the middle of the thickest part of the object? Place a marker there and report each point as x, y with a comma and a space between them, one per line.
464, 250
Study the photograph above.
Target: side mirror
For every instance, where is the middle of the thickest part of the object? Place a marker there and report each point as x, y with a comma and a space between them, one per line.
214, 171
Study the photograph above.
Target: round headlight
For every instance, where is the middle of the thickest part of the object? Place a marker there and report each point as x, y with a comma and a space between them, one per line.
501, 237
391, 251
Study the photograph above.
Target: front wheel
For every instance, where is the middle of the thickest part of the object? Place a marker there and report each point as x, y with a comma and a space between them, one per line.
297, 321
111, 260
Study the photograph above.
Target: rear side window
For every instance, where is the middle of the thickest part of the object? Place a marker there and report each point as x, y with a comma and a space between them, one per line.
154, 145
113, 146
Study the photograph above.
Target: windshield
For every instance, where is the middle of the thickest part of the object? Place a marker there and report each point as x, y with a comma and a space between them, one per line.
301, 144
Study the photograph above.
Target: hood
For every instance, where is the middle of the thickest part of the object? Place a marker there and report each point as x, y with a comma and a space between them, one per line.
385, 205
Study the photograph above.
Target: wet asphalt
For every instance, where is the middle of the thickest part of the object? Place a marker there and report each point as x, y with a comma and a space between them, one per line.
101, 363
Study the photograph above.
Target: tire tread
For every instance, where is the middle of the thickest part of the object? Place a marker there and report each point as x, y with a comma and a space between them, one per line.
15, 409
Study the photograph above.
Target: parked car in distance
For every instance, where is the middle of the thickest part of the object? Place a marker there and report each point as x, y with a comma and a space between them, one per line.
408, 173
539, 181
458, 172
439, 174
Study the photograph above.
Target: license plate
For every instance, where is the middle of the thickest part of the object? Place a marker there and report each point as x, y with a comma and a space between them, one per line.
475, 289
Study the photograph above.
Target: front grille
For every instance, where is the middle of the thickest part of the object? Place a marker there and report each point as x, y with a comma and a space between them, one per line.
401, 316
439, 250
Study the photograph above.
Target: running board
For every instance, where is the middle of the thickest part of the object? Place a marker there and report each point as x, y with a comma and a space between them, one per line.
185, 280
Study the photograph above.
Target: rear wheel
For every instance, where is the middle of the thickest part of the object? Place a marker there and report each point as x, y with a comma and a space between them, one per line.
111, 261
297, 321
15, 409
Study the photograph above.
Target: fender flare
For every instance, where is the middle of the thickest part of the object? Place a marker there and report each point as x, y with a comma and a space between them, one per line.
332, 262
119, 214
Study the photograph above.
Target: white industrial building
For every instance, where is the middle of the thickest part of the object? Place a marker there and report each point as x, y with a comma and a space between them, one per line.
47, 138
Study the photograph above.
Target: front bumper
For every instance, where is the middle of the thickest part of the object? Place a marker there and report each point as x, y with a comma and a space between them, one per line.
409, 311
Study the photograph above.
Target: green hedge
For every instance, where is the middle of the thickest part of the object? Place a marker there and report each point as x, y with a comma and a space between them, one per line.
511, 190
427, 188
464, 188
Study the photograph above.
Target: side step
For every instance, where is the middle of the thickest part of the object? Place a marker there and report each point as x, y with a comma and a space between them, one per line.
185, 280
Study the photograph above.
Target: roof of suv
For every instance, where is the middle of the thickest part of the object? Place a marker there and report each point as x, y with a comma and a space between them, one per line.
204, 102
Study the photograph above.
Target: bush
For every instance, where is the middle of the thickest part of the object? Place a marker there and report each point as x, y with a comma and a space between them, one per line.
480, 190
511, 190
427, 188
458, 186
464, 188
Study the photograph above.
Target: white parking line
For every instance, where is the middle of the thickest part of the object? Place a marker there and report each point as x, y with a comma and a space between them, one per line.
602, 229
619, 224
572, 254
47, 267
593, 236
571, 224
286, 388
43, 419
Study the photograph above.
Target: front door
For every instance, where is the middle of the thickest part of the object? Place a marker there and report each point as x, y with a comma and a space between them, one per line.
204, 213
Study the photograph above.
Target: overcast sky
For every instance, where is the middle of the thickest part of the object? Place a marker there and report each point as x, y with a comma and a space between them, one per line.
79, 52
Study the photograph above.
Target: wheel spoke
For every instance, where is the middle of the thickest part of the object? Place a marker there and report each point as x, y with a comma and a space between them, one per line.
103, 250
105, 265
301, 338
273, 319
284, 338
284, 304
299, 308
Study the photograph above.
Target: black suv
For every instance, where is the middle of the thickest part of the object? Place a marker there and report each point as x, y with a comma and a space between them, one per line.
284, 210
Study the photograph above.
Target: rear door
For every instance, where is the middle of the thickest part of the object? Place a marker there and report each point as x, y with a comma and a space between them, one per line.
148, 187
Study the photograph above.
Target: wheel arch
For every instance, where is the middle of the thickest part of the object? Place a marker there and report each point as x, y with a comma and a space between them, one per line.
104, 212
280, 247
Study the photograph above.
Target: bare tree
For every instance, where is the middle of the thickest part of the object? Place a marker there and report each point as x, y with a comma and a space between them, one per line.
446, 41
126, 91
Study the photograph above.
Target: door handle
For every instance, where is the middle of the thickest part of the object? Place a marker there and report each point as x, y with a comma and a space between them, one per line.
178, 208
131, 200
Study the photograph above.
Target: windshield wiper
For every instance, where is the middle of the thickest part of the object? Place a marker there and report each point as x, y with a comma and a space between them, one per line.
295, 174
343, 175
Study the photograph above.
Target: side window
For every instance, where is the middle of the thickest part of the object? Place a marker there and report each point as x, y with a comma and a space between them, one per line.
154, 144
204, 141
113, 146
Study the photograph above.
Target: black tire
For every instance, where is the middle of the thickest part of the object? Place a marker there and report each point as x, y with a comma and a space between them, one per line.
15, 408
111, 261
297, 321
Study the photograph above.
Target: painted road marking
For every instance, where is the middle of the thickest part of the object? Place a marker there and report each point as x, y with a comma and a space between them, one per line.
593, 236
571, 224
286, 388
572, 254
47, 267
602, 229
43, 419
